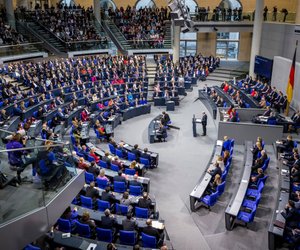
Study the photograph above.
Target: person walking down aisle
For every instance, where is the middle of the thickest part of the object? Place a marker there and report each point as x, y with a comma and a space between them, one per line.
204, 123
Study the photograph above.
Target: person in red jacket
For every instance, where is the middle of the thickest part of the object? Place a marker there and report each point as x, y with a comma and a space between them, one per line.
84, 115
92, 153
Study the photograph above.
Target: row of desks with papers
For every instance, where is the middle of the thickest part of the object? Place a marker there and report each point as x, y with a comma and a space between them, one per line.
133, 199
247, 97
205, 179
235, 204
135, 111
101, 153
277, 224
96, 215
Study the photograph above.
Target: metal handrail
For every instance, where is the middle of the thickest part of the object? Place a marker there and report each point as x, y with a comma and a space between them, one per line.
21, 44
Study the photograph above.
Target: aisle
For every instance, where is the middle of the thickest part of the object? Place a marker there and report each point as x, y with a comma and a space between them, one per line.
183, 159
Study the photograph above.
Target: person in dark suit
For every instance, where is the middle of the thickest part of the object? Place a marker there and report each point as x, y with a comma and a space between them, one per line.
296, 122
145, 201
267, 112
295, 173
285, 145
17, 111
161, 133
107, 195
93, 169
135, 182
291, 214
136, 151
255, 179
165, 118
119, 177
91, 191
149, 230
108, 221
129, 224
145, 154
216, 170
204, 123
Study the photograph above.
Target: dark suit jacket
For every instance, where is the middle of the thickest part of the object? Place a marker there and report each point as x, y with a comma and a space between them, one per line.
146, 156
107, 222
152, 232
136, 152
216, 171
129, 225
119, 178
144, 203
204, 120
107, 197
267, 113
91, 192
135, 183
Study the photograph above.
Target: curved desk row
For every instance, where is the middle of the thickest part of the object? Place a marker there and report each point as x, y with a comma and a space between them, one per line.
246, 97
235, 204
136, 111
208, 103
277, 223
153, 126
227, 98
205, 179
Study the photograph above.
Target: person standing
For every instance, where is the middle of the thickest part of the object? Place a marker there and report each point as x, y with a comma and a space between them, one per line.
204, 123
265, 13
274, 13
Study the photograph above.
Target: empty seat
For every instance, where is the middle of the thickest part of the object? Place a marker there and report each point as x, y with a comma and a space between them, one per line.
104, 234
127, 237
86, 201
88, 177
64, 225
141, 212
119, 187
83, 230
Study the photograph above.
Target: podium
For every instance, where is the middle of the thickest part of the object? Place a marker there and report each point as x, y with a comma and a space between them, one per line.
194, 122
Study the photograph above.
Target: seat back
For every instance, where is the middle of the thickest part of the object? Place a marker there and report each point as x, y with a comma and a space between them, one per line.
121, 209
119, 187
135, 190
90, 158
88, 177
224, 175
86, 201
221, 188
145, 161
101, 183
127, 237
141, 212
131, 156
102, 205
31, 247
105, 235
73, 140
112, 148
114, 167
83, 230
103, 164
119, 153
263, 180
129, 171
64, 225
148, 241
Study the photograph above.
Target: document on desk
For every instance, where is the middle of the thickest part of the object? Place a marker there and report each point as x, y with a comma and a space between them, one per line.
84, 245
219, 143
92, 246
158, 225
198, 120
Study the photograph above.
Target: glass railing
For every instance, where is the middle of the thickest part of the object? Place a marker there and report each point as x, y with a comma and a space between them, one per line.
246, 16
49, 169
19, 49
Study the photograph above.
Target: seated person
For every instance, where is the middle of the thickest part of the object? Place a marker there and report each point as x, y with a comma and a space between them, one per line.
161, 133
287, 145
102, 175
106, 158
93, 154
226, 144
149, 230
226, 156
136, 151
256, 151
213, 185
107, 195
255, 179
296, 122
91, 191
145, 201
215, 171
135, 182
108, 221
118, 162
93, 169
70, 215
291, 215
259, 162
165, 119
120, 177
129, 224
125, 200
85, 219
82, 164
295, 173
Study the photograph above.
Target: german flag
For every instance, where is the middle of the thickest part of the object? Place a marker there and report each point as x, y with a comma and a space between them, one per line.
291, 82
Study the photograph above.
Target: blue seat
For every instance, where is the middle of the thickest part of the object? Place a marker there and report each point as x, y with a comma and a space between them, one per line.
145, 161
148, 241
221, 188
295, 144
254, 192
131, 156
49, 123
247, 217
130, 171
135, 190
119, 153
35, 113
101, 183
103, 164
31, 247
232, 143
141, 212
64, 225
121, 209
86, 202
114, 167
112, 148
73, 140
105, 235
82, 229
90, 158
210, 200
102, 205
127, 237
88, 177
99, 136
224, 175
119, 187
250, 204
